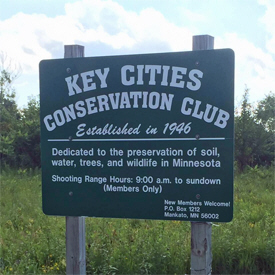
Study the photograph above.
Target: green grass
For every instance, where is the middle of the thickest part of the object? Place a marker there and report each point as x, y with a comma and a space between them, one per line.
32, 243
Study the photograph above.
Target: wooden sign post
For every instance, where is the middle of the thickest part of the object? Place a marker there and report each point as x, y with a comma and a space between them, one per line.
201, 252
75, 226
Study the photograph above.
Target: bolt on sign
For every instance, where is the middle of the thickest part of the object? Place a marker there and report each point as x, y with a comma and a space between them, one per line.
139, 136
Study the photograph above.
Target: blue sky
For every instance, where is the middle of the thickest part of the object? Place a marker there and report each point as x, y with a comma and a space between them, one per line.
31, 31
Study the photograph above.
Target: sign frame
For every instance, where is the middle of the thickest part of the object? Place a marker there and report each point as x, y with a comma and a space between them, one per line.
170, 93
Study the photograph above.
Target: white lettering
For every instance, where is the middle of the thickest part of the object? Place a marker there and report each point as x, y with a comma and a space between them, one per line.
102, 77
87, 78
127, 81
222, 119
46, 122
196, 81
72, 86
183, 106
152, 69
176, 76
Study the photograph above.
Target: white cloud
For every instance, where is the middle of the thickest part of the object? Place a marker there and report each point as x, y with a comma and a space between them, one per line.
106, 27
97, 24
254, 67
269, 21
21, 38
109, 23
30, 38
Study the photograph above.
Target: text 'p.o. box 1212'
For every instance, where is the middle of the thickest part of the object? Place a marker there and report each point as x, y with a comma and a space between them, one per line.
139, 136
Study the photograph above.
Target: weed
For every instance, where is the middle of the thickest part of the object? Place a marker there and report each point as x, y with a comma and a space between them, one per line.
33, 243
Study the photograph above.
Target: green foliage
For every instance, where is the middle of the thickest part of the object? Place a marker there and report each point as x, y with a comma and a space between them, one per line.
19, 129
33, 243
265, 112
9, 119
27, 142
247, 245
254, 136
138, 247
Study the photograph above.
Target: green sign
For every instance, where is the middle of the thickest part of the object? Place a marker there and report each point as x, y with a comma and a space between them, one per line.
139, 136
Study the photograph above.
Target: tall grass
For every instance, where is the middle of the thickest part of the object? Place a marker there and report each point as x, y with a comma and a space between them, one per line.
246, 245
32, 243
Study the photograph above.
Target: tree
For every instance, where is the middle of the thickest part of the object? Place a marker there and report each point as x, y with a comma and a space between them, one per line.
27, 143
10, 114
265, 116
19, 129
265, 112
254, 141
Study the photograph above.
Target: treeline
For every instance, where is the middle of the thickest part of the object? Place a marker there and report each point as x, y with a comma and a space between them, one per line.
255, 132
20, 130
